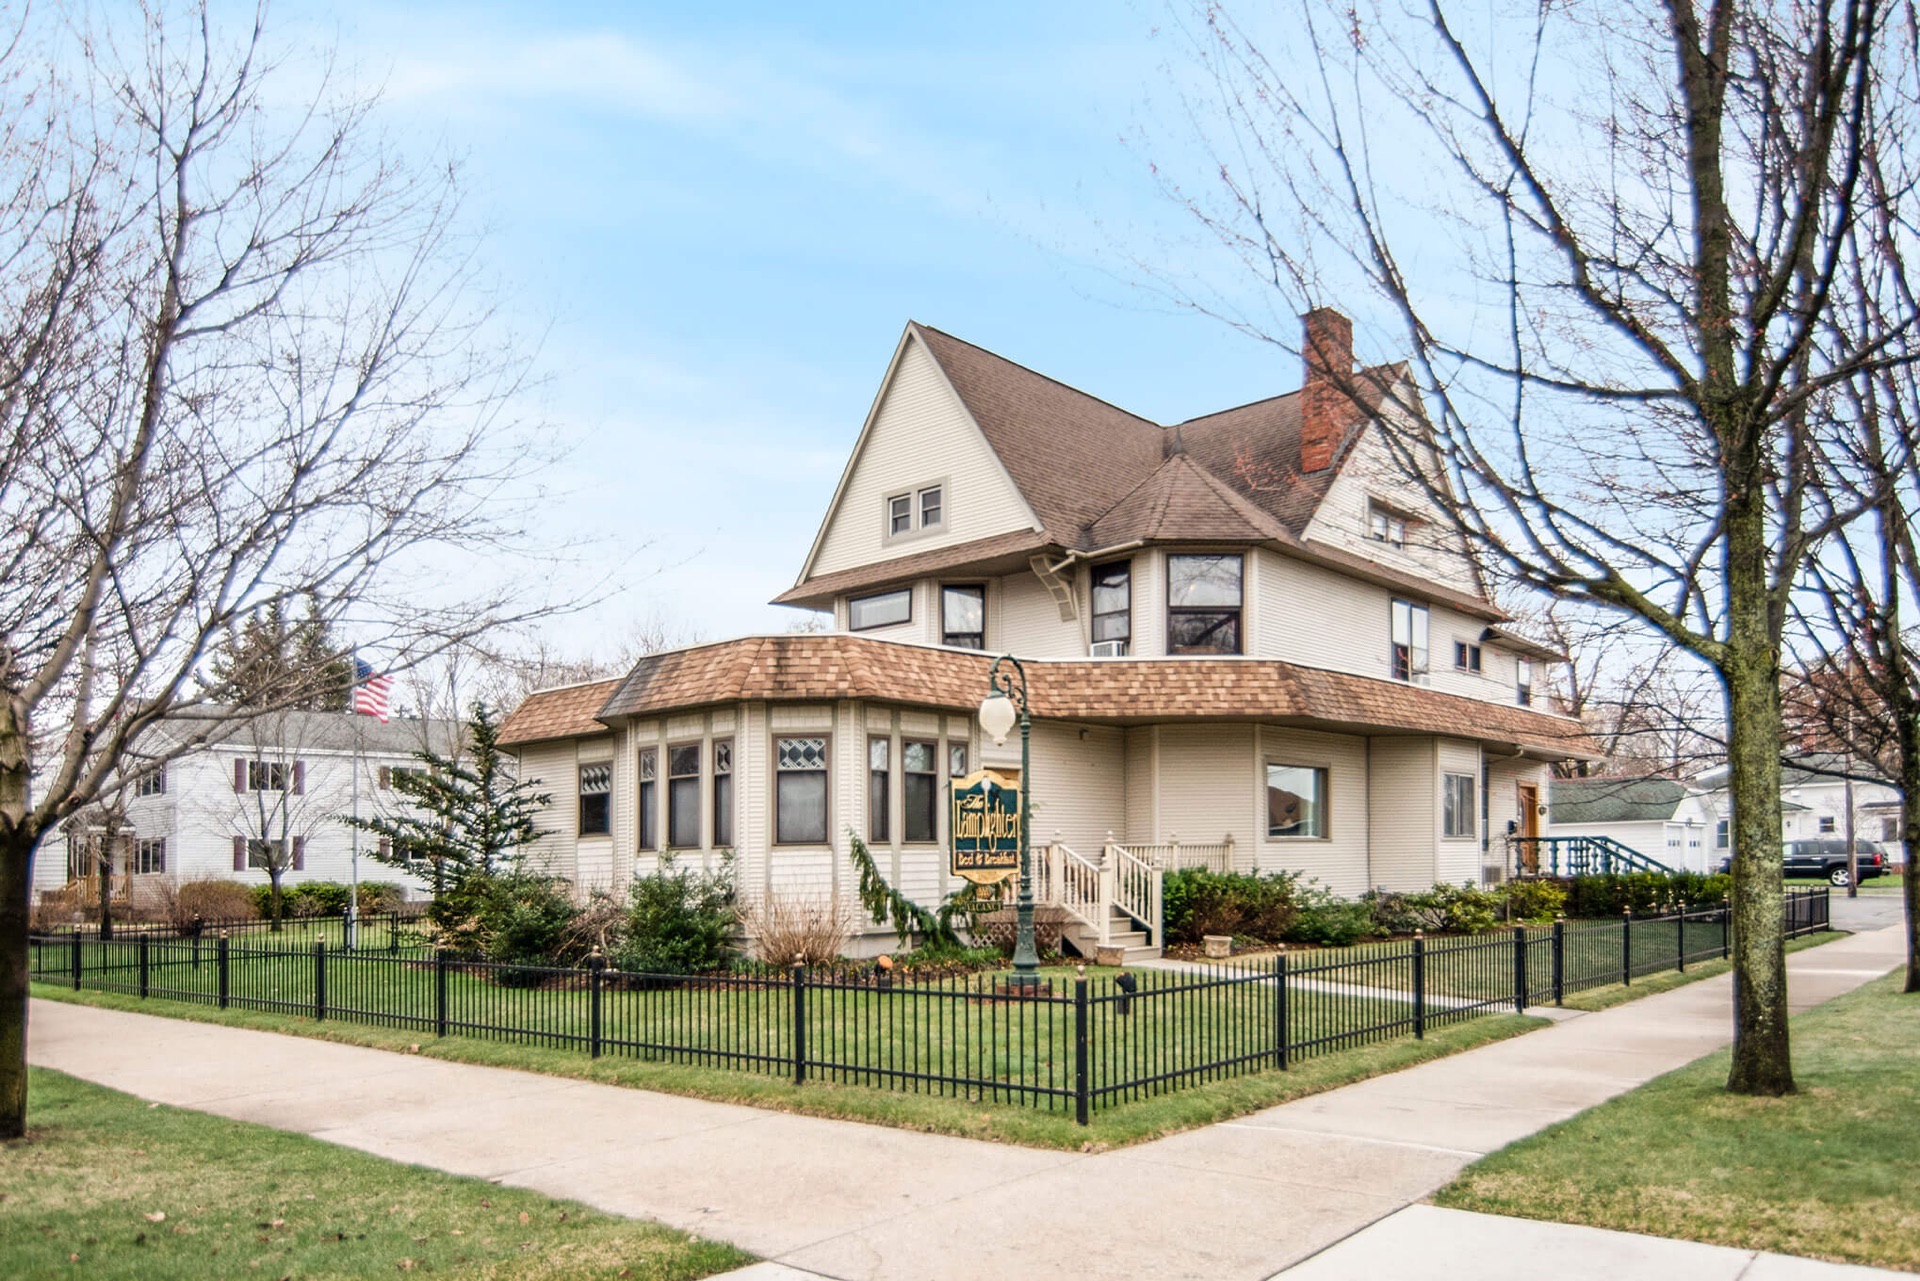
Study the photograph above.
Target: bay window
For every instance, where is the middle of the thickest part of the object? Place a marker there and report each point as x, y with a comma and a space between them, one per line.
1113, 604
683, 796
649, 780
722, 793
881, 610
879, 787
596, 799
919, 792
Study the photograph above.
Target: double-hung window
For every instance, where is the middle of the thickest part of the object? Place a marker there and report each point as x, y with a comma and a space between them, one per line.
152, 783
150, 855
264, 855
1456, 805
722, 793
881, 610
1722, 835
963, 616
917, 509
1113, 604
800, 791
900, 514
1203, 604
1523, 684
648, 807
919, 791
932, 507
879, 786
1384, 525
683, 796
596, 799
266, 776
1409, 652
1466, 656
1296, 800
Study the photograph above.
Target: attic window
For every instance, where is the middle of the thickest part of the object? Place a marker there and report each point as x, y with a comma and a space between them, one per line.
1385, 525
917, 510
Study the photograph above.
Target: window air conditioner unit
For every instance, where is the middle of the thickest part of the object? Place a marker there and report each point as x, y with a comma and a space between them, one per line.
1422, 678
1109, 649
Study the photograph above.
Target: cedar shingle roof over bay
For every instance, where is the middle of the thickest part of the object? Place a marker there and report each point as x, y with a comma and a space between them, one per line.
567, 712
801, 668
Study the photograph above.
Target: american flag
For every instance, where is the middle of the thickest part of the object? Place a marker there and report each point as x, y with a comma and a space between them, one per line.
370, 690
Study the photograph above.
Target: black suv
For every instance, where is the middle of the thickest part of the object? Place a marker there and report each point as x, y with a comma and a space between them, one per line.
1827, 858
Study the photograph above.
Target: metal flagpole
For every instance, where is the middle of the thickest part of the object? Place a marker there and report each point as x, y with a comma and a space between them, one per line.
353, 892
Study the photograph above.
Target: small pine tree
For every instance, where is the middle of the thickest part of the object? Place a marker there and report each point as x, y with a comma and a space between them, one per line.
472, 818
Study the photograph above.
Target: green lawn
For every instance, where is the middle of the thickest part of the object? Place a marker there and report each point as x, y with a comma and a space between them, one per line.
1827, 1172
106, 1186
1872, 885
1151, 1117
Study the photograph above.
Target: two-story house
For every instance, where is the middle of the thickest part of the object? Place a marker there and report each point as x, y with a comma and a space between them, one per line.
1250, 639
250, 792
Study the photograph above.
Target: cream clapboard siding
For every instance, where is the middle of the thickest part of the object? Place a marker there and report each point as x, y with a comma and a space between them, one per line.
1402, 812
1312, 615
1433, 548
1142, 801
552, 766
1339, 861
1149, 605
1206, 788
1079, 784
920, 435
1023, 619
1457, 858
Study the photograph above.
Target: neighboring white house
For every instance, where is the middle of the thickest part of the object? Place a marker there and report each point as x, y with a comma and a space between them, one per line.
1663, 819
284, 779
1251, 640
1813, 802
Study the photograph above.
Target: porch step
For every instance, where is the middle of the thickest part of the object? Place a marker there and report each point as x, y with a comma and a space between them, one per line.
1121, 933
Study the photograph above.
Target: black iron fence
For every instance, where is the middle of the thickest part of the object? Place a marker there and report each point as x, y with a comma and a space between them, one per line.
1075, 1044
377, 930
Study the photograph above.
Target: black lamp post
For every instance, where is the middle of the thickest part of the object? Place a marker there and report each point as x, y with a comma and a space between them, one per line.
1007, 698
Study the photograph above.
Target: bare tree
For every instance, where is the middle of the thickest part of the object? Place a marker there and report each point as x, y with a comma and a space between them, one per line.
1649, 710
242, 361
1609, 238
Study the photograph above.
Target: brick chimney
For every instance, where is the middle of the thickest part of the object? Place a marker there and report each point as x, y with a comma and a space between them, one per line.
1326, 411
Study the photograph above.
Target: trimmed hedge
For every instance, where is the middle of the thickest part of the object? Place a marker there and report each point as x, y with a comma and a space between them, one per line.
1646, 893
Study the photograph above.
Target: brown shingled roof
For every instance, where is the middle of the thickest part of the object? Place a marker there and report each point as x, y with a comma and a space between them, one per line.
799, 668
1013, 548
557, 713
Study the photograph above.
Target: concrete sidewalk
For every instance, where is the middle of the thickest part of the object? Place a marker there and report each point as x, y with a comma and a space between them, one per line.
1245, 1199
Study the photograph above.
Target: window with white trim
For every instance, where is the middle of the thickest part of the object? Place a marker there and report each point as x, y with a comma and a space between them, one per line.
916, 510
1296, 800
1408, 656
1385, 525
932, 507
683, 796
800, 791
722, 793
919, 792
1523, 683
648, 807
1456, 805
1203, 604
596, 799
1466, 656
1113, 604
152, 783
149, 855
883, 609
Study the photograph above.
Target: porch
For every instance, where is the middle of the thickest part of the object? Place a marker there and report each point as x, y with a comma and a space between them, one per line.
1114, 899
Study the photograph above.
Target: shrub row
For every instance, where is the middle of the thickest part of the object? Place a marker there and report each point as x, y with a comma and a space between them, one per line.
1646, 893
314, 898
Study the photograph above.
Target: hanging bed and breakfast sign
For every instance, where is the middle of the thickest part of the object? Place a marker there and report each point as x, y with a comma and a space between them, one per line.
985, 827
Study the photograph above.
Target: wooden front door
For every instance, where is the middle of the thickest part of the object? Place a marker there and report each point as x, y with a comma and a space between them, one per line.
1529, 805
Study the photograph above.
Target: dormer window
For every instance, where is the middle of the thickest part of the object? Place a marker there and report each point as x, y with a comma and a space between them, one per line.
917, 511
1385, 525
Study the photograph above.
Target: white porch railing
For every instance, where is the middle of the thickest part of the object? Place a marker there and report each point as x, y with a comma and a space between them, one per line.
1090, 891
1173, 854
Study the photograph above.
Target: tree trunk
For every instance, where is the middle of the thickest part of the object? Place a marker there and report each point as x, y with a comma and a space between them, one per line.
273, 912
1907, 718
1762, 1053
17, 840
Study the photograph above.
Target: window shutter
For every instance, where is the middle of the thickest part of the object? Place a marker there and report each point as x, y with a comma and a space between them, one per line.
240, 851
239, 773
386, 777
299, 778
299, 853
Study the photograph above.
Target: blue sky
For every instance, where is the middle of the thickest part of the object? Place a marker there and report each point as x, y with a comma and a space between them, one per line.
717, 220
